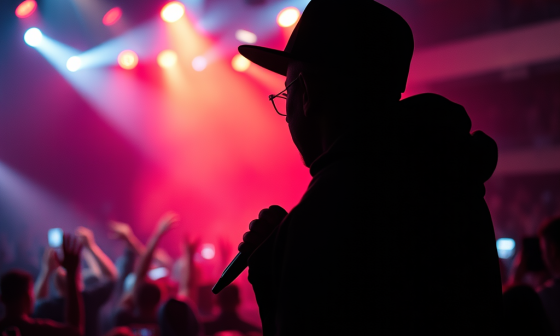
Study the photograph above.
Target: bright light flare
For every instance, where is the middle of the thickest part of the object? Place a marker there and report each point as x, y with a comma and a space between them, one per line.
128, 59
240, 63
245, 36
199, 63
74, 63
505, 247
208, 251
112, 16
167, 58
288, 17
26, 8
33, 37
173, 11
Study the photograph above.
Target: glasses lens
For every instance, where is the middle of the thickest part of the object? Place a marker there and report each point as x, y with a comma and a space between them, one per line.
280, 104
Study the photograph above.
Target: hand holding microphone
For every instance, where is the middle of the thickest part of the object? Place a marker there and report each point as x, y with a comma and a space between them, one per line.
259, 230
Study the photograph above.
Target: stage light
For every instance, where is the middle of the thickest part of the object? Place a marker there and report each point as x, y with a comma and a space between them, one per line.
240, 63
128, 59
167, 58
33, 37
112, 16
208, 252
288, 17
245, 36
199, 63
173, 11
505, 247
26, 8
74, 63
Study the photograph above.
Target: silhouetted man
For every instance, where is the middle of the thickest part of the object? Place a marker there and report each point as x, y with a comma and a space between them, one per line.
393, 236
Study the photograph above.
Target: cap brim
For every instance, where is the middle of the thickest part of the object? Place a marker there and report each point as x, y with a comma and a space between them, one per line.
270, 59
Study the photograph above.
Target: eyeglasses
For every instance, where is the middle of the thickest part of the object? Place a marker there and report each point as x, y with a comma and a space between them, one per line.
280, 105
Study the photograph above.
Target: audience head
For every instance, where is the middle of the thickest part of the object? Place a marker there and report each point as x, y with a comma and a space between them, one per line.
148, 296
228, 299
177, 318
524, 313
16, 289
550, 245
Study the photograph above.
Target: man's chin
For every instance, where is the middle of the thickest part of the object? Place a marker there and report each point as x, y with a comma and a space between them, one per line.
307, 161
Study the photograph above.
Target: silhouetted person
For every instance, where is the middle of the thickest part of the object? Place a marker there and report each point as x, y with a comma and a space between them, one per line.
139, 308
18, 297
94, 296
177, 318
228, 301
550, 293
524, 314
393, 236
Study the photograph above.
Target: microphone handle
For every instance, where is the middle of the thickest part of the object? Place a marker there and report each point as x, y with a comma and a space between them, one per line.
232, 271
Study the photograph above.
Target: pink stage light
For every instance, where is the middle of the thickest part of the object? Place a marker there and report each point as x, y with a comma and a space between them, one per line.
173, 11
240, 63
26, 8
128, 59
112, 16
208, 251
288, 17
167, 58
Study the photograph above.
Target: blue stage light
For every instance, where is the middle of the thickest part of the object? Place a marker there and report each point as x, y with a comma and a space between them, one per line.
33, 37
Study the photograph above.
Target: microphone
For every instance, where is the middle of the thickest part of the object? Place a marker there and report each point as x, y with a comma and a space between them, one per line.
235, 267
268, 220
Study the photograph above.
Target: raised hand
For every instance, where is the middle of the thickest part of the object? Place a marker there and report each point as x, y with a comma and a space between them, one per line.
71, 249
120, 230
50, 261
85, 237
166, 223
189, 247
260, 229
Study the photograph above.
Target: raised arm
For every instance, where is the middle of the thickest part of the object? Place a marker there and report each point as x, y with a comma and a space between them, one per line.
164, 225
188, 277
86, 238
48, 266
123, 232
71, 248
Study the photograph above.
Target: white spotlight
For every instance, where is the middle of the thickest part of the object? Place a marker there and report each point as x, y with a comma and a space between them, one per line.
199, 63
33, 37
208, 252
74, 63
246, 36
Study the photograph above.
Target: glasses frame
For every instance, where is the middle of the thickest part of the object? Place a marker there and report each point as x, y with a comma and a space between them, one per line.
282, 95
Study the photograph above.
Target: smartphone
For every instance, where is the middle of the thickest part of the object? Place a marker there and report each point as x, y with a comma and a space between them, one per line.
55, 237
158, 273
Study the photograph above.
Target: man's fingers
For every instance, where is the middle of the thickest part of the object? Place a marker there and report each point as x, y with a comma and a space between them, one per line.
245, 248
260, 226
278, 210
273, 215
252, 238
